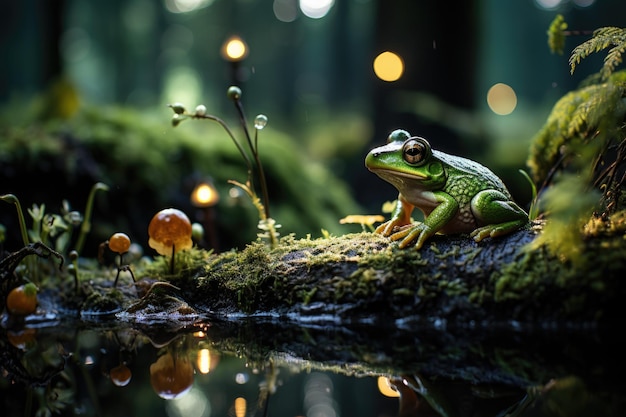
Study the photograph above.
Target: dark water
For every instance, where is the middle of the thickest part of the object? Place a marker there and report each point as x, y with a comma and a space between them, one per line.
266, 367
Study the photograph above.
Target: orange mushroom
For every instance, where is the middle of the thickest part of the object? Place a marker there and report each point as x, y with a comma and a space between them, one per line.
120, 375
120, 243
171, 376
170, 232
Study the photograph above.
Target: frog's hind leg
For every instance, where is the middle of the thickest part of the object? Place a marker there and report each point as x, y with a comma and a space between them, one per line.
498, 213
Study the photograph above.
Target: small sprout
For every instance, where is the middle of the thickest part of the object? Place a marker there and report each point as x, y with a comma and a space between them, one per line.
73, 267
234, 93
169, 232
86, 225
200, 110
178, 108
22, 300
260, 122
120, 375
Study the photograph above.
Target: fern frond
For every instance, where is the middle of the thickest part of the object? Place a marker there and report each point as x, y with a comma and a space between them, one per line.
576, 116
603, 101
556, 34
613, 59
602, 38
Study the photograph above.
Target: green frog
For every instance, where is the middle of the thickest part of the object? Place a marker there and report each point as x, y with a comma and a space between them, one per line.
455, 194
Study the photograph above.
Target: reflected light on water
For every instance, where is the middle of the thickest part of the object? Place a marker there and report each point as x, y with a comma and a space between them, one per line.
194, 404
316, 9
203, 361
318, 396
385, 388
240, 407
501, 99
388, 66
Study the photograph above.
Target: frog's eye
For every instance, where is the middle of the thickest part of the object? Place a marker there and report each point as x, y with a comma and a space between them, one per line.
415, 151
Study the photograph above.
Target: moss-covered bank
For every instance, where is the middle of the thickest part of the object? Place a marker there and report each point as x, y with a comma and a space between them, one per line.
365, 278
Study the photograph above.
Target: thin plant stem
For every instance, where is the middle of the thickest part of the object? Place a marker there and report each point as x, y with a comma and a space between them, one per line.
11, 198
85, 227
243, 153
257, 160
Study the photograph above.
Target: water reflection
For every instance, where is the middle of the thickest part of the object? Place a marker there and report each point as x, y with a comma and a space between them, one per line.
251, 368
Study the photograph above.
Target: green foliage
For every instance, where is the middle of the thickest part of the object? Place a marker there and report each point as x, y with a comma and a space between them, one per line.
602, 38
579, 154
591, 113
570, 204
556, 34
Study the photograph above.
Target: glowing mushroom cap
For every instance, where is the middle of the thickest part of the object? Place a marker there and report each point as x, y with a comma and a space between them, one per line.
119, 242
169, 229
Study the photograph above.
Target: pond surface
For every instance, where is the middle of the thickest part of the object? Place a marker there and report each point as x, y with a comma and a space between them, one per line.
269, 367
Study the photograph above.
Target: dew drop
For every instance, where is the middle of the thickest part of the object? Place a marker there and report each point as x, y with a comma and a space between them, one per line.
260, 121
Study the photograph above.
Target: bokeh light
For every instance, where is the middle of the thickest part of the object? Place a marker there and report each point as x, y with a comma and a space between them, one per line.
204, 195
182, 84
186, 6
285, 10
501, 99
316, 9
388, 66
234, 49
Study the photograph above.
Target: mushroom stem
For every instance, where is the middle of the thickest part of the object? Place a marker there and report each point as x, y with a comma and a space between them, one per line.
117, 277
172, 259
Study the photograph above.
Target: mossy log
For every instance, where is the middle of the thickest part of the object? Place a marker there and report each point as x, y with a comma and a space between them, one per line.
365, 278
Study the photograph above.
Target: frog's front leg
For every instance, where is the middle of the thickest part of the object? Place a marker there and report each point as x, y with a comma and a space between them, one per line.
498, 212
400, 216
445, 211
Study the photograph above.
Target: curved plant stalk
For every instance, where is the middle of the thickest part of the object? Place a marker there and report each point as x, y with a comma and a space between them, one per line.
10, 198
85, 227
533, 211
266, 223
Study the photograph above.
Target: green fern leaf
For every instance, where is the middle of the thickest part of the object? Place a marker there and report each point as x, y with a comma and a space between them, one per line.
576, 116
602, 38
613, 59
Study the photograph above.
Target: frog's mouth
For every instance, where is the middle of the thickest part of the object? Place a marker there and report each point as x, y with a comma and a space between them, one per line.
399, 178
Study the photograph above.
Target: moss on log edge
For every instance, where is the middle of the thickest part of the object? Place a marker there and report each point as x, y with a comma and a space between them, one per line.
365, 278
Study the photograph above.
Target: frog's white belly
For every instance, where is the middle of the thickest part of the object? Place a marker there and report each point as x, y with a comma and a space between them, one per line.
462, 220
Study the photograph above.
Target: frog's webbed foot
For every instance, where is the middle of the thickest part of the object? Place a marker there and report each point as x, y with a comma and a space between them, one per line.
387, 228
418, 232
495, 230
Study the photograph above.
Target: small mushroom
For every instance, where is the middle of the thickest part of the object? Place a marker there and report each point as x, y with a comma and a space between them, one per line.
120, 243
170, 232
120, 375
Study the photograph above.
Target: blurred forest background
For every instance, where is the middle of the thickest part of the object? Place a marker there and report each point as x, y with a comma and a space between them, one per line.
476, 78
